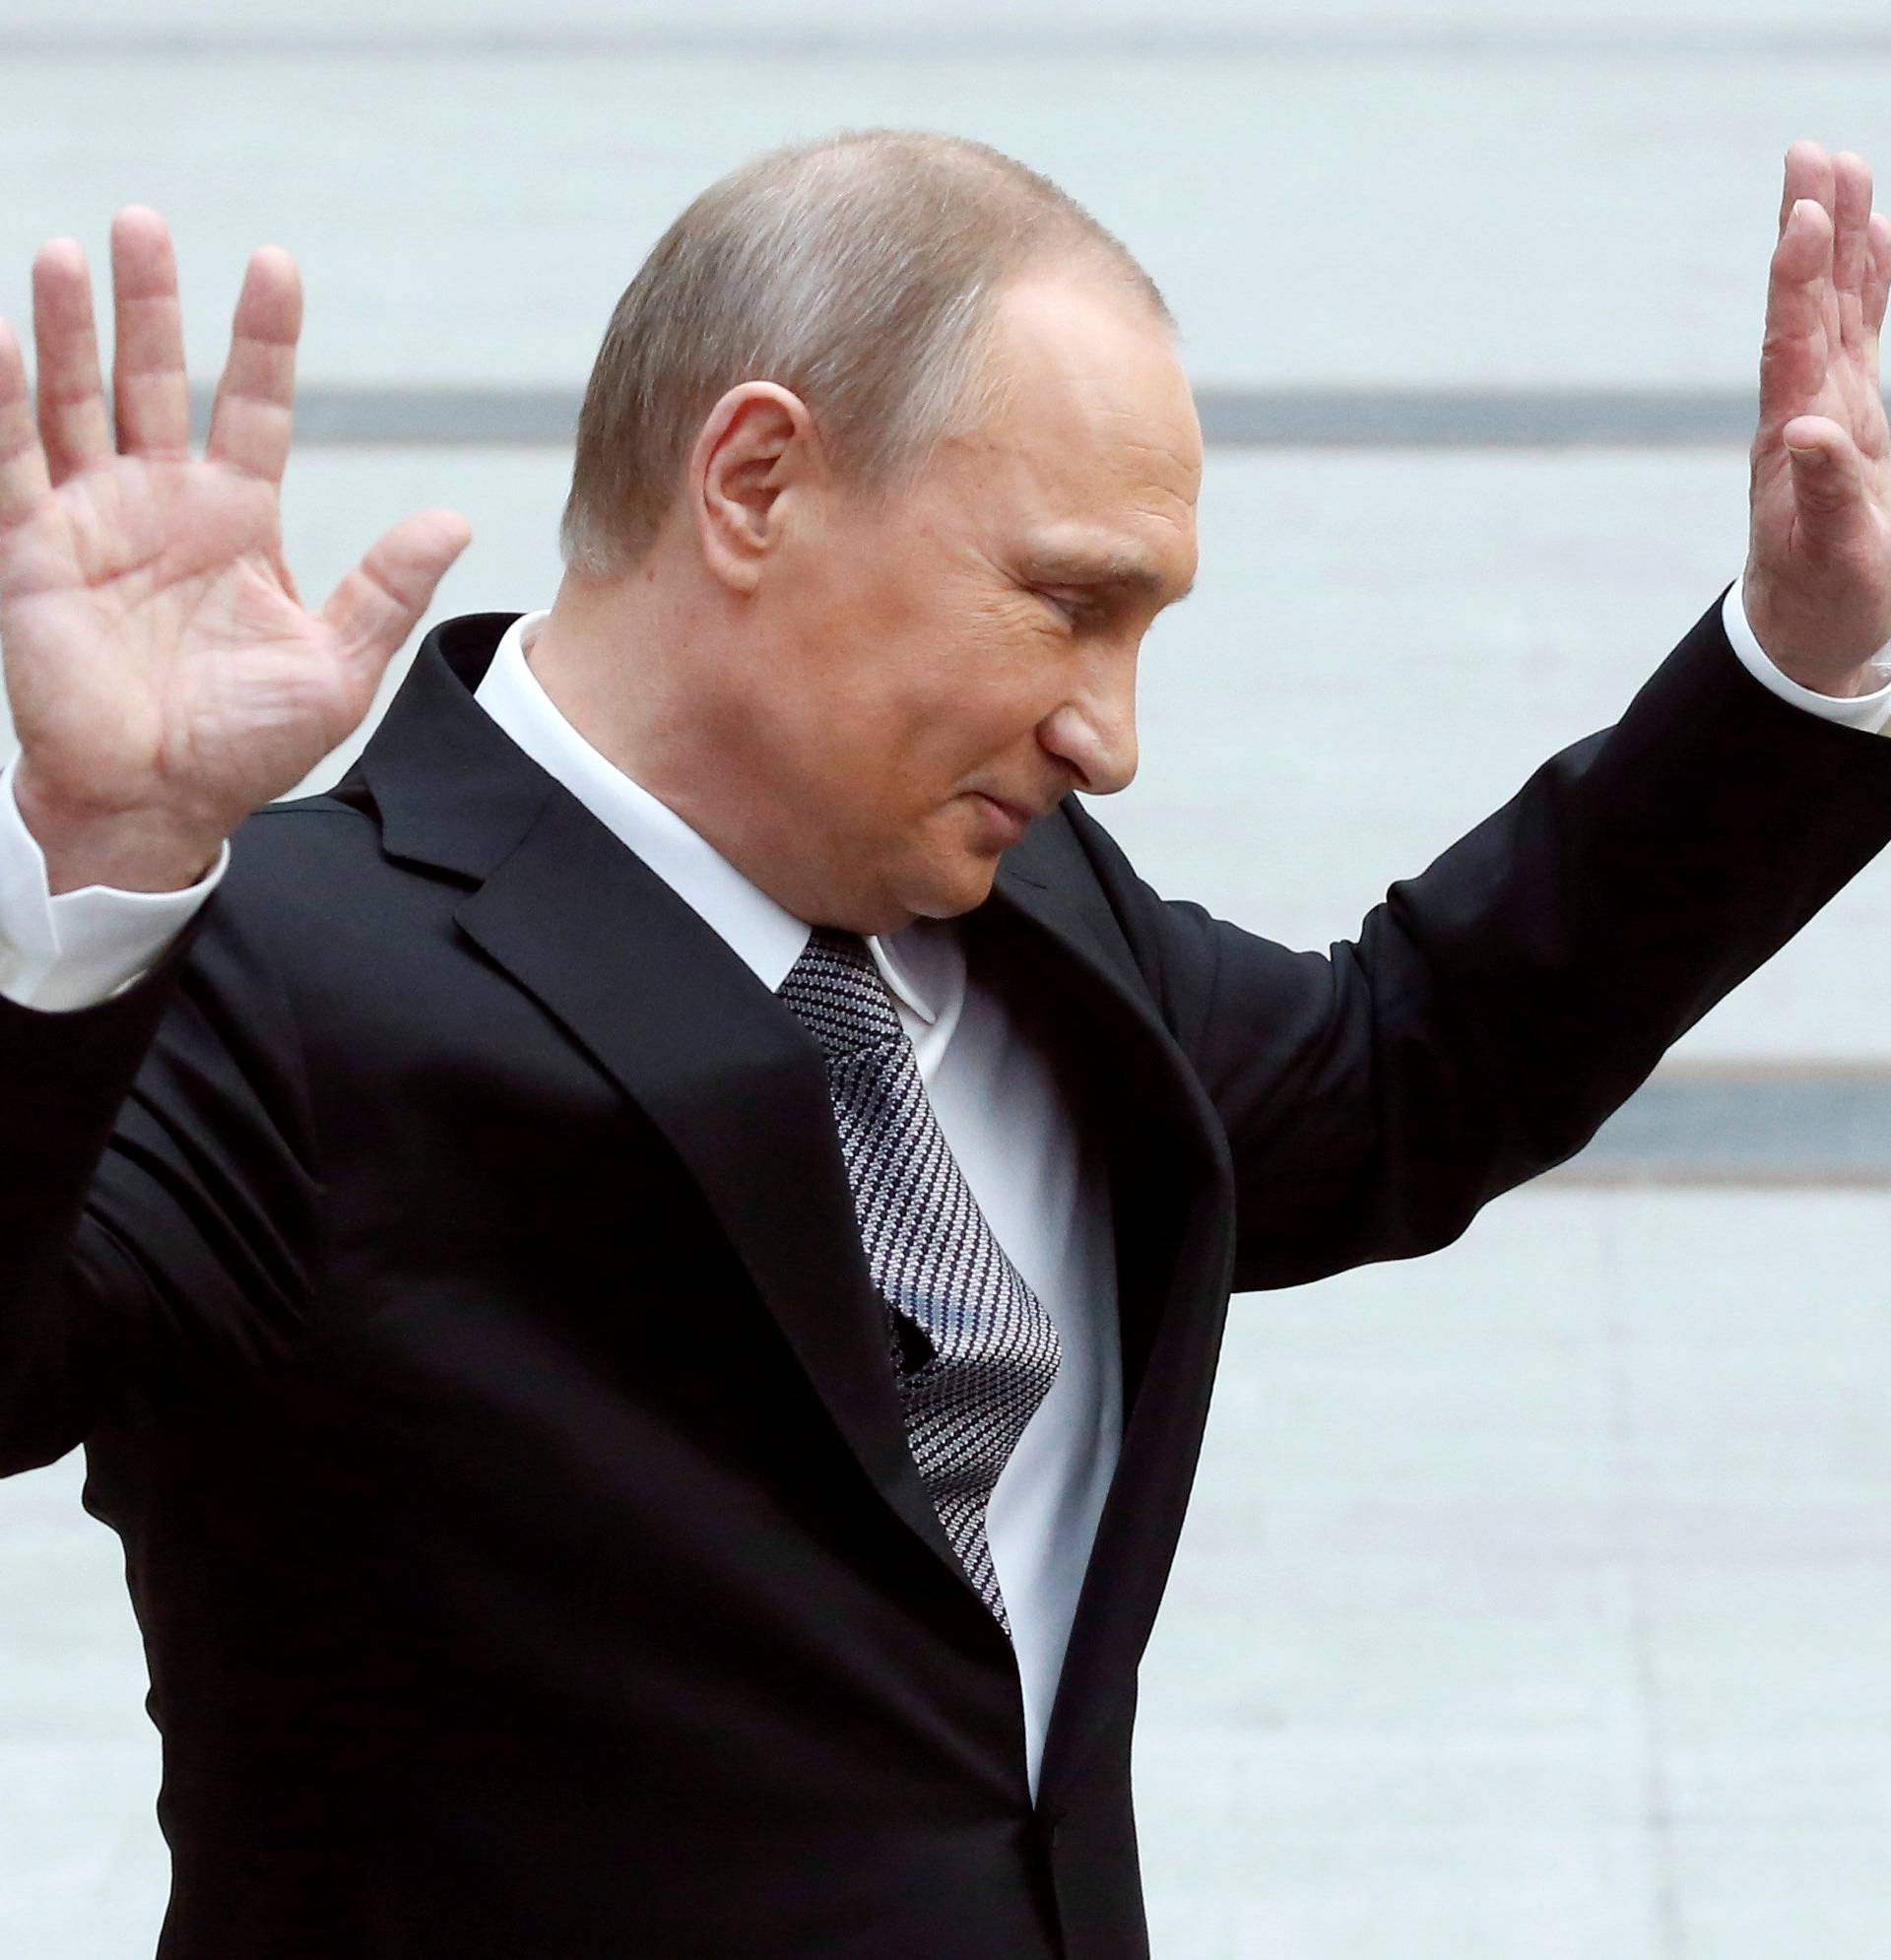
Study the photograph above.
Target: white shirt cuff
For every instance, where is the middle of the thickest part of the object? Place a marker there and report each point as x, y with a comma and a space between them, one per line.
82, 946
1869, 712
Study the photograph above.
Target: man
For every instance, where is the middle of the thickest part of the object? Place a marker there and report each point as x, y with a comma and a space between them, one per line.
641, 1280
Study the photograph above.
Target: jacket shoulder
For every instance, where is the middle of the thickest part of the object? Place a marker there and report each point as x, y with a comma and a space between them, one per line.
304, 834
304, 876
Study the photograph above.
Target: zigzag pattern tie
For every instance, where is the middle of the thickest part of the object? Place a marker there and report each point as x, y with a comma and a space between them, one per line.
973, 1350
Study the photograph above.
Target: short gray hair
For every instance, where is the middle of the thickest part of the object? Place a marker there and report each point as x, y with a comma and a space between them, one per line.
861, 272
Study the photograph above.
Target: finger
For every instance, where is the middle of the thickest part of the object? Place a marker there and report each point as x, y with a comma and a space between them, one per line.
1850, 216
1808, 173
73, 424
254, 411
1797, 346
149, 389
376, 607
23, 463
1828, 481
1877, 276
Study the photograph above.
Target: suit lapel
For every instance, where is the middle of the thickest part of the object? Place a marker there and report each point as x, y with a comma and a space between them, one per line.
736, 1086
1172, 1201
669, 1012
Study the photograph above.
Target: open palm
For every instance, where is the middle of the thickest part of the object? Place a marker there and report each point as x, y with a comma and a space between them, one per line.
164, 677
1818, 578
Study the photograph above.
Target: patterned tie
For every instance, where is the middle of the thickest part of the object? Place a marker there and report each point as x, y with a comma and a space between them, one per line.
973, 1351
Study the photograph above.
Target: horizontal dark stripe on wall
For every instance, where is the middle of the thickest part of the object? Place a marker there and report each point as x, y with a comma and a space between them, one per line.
1747, 1124
1231, 418
1073, 40
1474, 419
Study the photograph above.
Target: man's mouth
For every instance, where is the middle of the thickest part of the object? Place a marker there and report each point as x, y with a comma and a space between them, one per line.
1008, 820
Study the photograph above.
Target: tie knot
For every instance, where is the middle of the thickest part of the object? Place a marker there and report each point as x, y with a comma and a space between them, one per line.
835, 989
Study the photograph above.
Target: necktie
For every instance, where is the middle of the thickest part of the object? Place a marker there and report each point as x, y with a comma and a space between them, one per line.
973, 1351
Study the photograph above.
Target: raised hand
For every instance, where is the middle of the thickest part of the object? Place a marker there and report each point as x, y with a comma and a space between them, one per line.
164, 677
1817, 586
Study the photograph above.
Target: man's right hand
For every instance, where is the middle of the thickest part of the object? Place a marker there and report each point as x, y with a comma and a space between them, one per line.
165, 677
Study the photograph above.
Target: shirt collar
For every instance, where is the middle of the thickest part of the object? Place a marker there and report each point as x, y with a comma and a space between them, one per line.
764, 934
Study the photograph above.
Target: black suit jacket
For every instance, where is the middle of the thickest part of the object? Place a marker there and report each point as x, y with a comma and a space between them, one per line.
445, 1257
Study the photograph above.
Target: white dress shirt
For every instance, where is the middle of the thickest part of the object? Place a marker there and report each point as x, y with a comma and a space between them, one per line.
1042, 1187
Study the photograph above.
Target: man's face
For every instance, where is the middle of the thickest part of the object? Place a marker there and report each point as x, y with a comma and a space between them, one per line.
951, 667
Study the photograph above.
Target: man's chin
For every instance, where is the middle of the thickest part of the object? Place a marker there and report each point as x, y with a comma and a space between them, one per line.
951, 892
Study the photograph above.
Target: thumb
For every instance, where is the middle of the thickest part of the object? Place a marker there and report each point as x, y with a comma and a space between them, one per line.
1828, 476
376, 607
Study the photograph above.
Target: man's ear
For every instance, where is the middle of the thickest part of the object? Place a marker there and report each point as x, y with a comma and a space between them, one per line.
757, 449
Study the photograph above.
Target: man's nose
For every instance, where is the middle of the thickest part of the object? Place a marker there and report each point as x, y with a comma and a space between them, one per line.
1095, 732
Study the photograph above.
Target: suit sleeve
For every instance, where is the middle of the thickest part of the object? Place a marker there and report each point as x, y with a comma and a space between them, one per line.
1493, 1010
159, 1206
82, 946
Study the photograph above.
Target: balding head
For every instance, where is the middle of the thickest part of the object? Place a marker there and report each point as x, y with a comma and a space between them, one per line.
861, 272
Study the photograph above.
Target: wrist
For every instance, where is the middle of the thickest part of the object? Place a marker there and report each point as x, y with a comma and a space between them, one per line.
1828, 649
127, 850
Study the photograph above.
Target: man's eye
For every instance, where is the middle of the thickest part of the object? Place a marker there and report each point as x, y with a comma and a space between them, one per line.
1073, 610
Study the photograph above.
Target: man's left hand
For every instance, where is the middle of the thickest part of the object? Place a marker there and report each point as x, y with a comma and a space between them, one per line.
1817, 586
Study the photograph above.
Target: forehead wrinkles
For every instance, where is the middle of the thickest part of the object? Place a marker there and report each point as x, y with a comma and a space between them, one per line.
1108, 446
1079, 457
1033, 476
